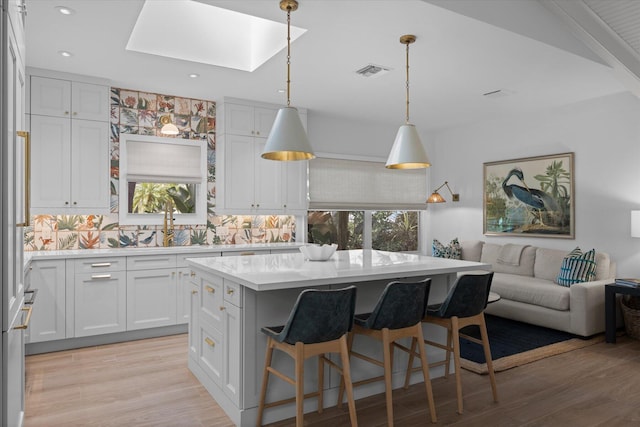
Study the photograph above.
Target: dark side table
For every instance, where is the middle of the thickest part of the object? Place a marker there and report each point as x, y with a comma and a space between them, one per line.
610, 292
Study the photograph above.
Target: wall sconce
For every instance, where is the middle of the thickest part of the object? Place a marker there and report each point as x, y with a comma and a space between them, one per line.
635, 223
168, 128
435, 197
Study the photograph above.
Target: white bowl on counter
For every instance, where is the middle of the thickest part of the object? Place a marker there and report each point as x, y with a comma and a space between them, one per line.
318, 252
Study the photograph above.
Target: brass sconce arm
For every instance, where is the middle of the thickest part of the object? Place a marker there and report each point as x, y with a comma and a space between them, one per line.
435, 197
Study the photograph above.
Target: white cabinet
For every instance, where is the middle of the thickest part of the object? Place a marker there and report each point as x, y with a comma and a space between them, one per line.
65, 98
100, 297
48, 321
70, 146
151, 291
217, 324
194, 323
247, 183
185, 283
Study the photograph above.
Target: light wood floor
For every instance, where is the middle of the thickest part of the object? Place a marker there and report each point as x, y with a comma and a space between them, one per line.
147, 383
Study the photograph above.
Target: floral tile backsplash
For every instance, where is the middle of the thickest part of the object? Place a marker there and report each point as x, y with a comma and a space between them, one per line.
137, 112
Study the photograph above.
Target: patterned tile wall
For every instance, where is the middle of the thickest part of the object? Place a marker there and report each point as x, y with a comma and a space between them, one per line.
135, 112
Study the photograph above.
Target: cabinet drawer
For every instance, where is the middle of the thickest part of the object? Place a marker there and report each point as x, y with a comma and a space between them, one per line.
182, 258
211, 357
233, 293
151, 262
98, 265
211, 300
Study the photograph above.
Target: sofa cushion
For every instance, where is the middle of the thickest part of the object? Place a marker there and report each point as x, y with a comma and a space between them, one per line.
452, 250
531, 290
491, 251
577, 267
471, 250
603, 263
548, 262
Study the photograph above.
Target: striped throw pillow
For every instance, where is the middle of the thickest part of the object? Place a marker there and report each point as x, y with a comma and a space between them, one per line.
453, 250
577, 267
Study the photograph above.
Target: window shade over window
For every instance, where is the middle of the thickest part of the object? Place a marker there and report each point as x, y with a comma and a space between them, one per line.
351, 184
158, 161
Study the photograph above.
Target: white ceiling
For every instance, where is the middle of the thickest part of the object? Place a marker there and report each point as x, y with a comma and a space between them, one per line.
455, 59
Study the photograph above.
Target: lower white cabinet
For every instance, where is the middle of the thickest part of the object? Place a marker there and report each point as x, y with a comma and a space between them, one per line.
194, 323
151, 291
183, 294
151, 298
100, 303
216, 320
49, 310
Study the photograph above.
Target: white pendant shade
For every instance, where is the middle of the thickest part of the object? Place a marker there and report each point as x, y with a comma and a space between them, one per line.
407, 151
287, 139
169, 129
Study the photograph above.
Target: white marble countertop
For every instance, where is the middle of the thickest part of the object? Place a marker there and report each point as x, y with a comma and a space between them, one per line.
291, 270
178, 250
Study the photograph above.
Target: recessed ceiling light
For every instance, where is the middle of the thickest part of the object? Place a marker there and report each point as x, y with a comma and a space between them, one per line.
194, 75
65, 10
226, 38
65, 53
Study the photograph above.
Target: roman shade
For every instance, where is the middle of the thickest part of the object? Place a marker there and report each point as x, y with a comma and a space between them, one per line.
338, 184
157, 160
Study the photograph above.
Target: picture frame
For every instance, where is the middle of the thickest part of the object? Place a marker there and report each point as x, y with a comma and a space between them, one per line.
530, 197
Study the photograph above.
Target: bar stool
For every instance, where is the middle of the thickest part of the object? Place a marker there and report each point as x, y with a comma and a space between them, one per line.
463, 306
318, 324
397, 314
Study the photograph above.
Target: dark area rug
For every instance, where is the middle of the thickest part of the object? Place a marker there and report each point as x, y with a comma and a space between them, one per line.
515, 343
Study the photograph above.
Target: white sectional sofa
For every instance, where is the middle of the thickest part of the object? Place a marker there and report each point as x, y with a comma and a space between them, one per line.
529, 293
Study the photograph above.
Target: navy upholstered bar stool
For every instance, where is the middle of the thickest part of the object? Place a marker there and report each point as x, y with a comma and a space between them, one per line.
397, 314
318, 324
463, 306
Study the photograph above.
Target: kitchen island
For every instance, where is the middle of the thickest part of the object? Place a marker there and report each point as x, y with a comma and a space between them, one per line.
232, 298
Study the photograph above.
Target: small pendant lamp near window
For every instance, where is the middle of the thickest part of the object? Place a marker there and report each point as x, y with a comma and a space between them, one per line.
168, 128
287, 139
407, 151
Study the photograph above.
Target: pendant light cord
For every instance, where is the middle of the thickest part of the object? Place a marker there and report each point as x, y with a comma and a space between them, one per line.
407, 83
288, 55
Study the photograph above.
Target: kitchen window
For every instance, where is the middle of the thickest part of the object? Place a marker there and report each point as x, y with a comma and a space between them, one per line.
159, 174
375, 207
395, 231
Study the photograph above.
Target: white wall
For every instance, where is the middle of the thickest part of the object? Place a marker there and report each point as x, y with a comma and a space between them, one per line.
347, 137
604, 134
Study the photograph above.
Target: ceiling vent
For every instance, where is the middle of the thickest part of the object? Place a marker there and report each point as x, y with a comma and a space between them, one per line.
372, 70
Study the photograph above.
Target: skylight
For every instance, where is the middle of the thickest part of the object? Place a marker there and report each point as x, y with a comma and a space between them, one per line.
198, 32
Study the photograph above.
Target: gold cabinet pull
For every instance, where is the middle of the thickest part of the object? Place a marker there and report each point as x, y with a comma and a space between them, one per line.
247, 253
193, 274
210, 342
193, 292
230, 291
222, 308
27, 178
25, 325
210, 289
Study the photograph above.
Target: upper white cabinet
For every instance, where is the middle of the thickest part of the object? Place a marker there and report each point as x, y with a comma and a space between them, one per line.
64, 98
70, 146
247, 183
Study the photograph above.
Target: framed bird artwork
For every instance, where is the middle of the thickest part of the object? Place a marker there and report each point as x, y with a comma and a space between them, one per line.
532, 196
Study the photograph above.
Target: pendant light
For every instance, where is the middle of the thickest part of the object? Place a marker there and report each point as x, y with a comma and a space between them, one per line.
287, 139
407, 151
